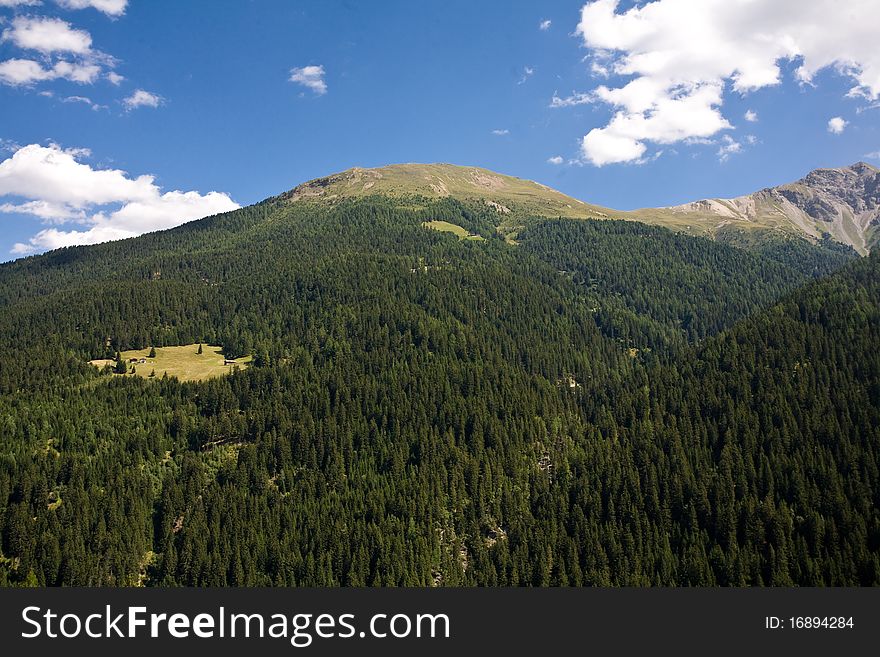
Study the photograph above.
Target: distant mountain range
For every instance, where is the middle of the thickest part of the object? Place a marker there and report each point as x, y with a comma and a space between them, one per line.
842, 204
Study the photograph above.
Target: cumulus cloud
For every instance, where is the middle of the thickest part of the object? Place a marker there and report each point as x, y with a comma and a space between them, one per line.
679, 56
50, 183
20, 72
65, 53
46, 210
109, 7
750, 116
500, 132
50, 173
687, 112
837, 125
141, 98
114, 78
545, 25
19, 3
311, 77
47, 35
556, 159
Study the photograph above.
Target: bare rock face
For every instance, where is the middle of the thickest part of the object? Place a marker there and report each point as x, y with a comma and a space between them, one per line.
841, 204
857, 186
815, 205
846, 199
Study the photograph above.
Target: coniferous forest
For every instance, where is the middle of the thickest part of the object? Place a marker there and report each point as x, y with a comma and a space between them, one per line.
592, 403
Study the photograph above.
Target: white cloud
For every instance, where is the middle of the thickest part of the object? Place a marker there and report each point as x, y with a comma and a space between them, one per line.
109, 7
599, 71
729, 146
604, 147
58, 188
45, 210
23, 71
750, 116
501, 132
679, 56
47, 35
545, 25
19, 3
8, 146
141, 98
114, 78
50, 173
528, 72
84, 100
691, 112
311, 77
873, 156
26, 71
837, 125
556, 159
570, 101
57, 42
698, 141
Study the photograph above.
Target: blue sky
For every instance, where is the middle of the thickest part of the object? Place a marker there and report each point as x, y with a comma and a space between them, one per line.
403, 81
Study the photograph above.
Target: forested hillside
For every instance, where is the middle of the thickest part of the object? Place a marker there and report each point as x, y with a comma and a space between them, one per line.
653, 287
599, 403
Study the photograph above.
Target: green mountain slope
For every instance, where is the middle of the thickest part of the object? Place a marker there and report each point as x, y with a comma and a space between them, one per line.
430, 410
653, 287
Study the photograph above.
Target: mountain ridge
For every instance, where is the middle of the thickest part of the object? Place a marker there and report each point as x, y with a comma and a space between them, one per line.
840, 204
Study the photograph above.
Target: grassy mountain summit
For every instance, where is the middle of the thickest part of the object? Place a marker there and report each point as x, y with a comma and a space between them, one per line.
505, 194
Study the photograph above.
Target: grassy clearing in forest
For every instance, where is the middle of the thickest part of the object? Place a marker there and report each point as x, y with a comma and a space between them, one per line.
184, 362
446, 227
